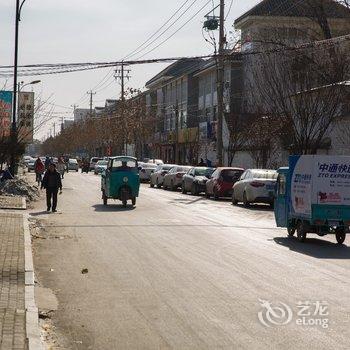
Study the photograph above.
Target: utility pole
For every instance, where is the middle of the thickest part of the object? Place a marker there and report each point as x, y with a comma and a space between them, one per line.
122, 74
177, 132
220, 84
54, 129
91, 95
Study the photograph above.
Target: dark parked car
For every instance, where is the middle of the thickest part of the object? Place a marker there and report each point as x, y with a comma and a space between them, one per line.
221, 182
195, 179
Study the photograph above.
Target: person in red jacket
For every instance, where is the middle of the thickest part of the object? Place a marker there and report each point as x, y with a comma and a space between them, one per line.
39, 169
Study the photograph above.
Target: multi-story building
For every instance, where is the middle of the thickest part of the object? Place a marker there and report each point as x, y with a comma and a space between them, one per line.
175, 92
81, 114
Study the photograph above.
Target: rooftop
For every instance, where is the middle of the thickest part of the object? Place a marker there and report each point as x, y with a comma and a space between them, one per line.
293, 8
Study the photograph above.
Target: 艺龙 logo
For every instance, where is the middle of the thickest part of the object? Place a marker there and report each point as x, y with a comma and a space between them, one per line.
279, 314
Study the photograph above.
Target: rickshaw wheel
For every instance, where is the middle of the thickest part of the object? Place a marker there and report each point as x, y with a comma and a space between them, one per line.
133, 200
301, 231
291, 231
340, 236
104, 197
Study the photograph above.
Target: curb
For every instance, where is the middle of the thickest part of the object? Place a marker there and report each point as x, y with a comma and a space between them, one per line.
32, 314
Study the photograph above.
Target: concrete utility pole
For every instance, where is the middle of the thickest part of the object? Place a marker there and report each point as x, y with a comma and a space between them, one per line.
122, 74
91, 94
220, 84
177, 132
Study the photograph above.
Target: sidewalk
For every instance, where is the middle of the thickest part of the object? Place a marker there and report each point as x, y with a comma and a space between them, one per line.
17, 305
12, 282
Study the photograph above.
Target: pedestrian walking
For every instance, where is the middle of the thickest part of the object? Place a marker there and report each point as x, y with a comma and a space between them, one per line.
52, 183
47, 162
61, 167
39, 169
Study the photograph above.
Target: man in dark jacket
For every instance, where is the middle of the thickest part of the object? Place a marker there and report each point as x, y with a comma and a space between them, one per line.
52, 183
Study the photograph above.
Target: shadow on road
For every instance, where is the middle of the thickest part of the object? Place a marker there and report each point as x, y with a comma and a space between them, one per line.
112, 207
256, 207
44, 212
316, 248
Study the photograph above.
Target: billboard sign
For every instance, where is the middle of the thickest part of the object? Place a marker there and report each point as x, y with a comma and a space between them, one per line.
26, 116
5, 112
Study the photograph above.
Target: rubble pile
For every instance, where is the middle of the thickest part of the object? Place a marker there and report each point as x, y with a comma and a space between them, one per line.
19, 187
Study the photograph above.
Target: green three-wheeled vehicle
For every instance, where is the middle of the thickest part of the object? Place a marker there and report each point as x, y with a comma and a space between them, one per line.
121, 180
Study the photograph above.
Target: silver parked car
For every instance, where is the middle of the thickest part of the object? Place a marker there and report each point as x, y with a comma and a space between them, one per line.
255, 186
73, 164
157, 176
146, 170
173, 179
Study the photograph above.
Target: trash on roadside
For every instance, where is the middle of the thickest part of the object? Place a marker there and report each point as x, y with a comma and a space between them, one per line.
45, 314
84, 271
52, 270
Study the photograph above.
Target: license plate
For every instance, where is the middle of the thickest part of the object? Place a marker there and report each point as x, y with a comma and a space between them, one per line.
333, 223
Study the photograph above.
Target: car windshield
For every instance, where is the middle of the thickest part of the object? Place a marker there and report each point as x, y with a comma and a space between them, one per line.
265, 174
102, 162
149, 166
166, 167
229, 175
73, 161
183, 169
204, 172
124, 164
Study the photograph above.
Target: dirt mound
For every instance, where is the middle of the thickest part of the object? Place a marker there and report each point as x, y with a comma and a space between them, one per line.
19, 187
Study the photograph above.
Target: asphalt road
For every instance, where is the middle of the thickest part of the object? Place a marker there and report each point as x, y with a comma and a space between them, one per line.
184, 272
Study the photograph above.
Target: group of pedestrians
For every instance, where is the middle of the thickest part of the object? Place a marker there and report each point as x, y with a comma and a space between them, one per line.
51, 181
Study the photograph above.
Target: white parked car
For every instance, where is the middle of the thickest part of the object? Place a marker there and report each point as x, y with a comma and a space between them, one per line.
173, 179
146, 170
73, 164
156, 161
157, 176
255, 186
100, 166
31, 165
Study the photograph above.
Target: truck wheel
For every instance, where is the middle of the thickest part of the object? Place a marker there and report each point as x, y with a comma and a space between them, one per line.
104, 197
340, 235
133, 200
301, 231
291, 231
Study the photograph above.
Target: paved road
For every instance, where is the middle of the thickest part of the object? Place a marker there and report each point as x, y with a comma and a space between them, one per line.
184, 272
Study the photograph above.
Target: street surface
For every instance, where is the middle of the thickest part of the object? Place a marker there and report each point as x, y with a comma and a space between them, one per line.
184, 272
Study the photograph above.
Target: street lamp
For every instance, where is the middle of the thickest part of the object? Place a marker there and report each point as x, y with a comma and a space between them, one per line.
21, 85
14, 139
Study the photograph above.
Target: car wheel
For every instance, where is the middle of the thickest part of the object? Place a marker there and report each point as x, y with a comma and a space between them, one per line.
133, 200
194, 190
158, 185
172, 187
151, 184
301, 231
245, 200
216, 195
340, 235
207, 194
234, 200
183, 189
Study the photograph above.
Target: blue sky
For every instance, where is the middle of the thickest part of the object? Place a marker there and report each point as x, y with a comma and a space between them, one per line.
54, 31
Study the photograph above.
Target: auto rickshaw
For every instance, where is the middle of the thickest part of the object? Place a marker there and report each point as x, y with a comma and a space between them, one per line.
120, 180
